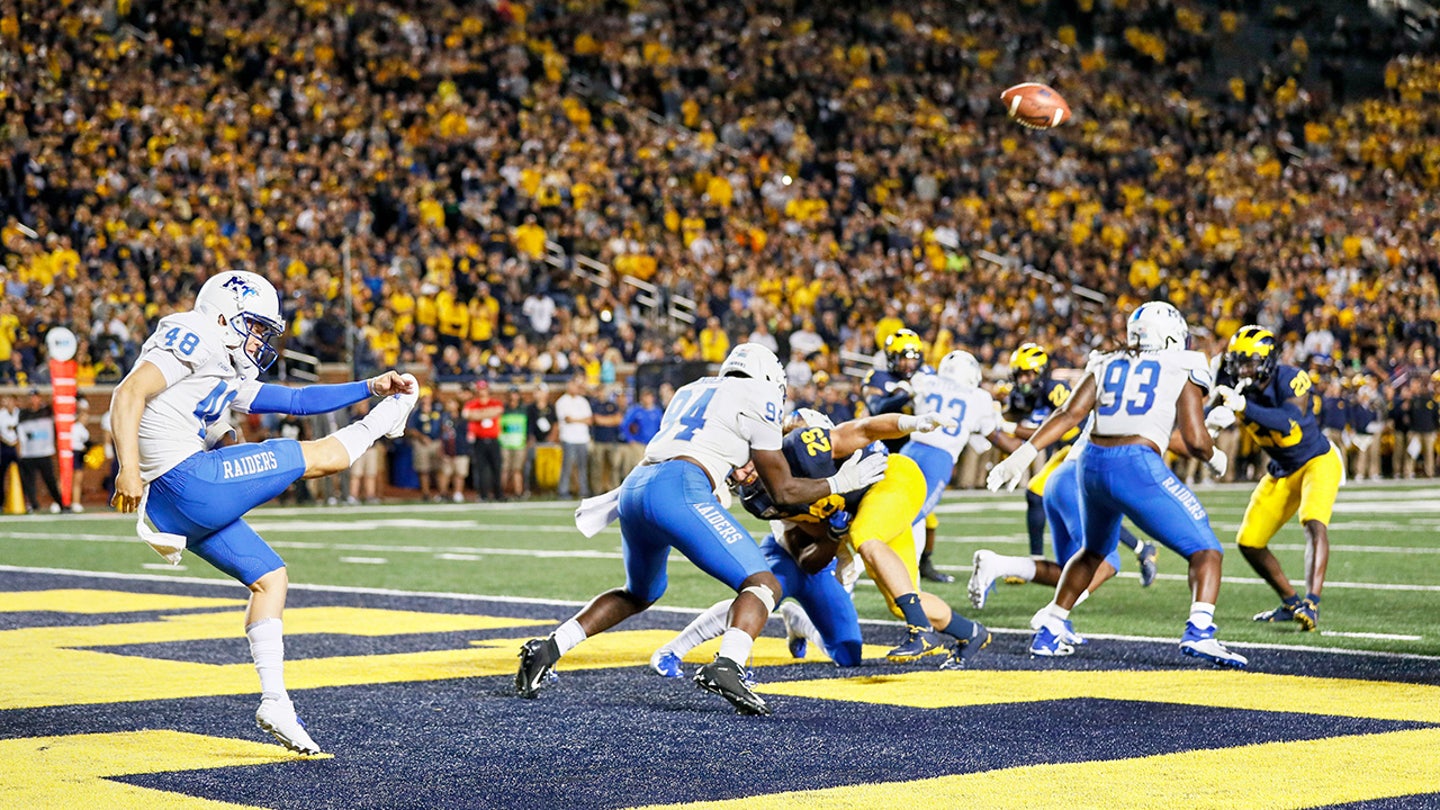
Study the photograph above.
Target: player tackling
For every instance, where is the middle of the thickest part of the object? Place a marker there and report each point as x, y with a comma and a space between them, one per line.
168, 422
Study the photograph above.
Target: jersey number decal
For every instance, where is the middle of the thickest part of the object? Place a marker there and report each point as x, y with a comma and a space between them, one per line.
1147, 375
817, 440
1274, 438
692, 419
188, 341
213, 405
955, 408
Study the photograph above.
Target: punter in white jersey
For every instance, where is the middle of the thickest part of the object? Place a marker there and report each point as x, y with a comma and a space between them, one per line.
167, 415
952, 390
710, 427
1139, 395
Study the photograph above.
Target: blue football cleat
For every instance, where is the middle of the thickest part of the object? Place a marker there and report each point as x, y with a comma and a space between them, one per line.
666, 663
1308, 615
1280, 614
965, 650
1071, 637
1202, 644
920, 643
1047, 644
1147, 554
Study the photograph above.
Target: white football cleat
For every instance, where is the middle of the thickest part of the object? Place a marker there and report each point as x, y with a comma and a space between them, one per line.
982, 577
407, 404
278, 717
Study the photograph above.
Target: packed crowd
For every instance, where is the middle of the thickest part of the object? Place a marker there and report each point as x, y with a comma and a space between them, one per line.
813, 180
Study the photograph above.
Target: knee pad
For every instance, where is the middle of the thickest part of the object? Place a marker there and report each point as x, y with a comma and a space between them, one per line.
764, 594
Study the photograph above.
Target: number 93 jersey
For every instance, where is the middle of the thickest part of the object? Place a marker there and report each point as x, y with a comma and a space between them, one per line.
972, 408
201, 382
1136, 392
716, 420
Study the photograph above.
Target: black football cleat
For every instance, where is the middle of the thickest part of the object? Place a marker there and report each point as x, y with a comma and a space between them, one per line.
727, 679
537, 666
929, 572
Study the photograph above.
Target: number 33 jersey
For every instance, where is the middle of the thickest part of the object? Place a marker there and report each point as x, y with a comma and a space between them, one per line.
972, 408
1136, 392
202, 380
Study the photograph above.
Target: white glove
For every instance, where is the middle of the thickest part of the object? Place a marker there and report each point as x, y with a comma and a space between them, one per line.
1218, 419
1231, 398
926, 423
858, 473
1218, 463
1011, 471
904, 385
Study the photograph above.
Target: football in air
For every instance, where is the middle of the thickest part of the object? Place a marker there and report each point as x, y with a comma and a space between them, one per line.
1035, 105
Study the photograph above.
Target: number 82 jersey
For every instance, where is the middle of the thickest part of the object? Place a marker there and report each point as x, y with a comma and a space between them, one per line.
202, 380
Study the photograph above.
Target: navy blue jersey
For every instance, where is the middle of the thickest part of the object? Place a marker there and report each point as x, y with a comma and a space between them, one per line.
883, 394
1291, 436
808, 450
1032, 408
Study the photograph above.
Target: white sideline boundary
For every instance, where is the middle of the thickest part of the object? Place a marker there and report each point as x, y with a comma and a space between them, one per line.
468, 597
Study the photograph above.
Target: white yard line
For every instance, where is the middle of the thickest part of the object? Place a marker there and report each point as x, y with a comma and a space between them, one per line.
466, 597
365, 560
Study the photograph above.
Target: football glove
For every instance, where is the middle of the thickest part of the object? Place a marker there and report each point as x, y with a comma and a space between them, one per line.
1231, 398
837, 525
925, 423
857, 473
1011, 471
1218, 463
1219, 418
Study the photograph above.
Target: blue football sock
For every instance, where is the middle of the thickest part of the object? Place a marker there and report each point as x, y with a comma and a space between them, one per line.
909, 605
1313, 598
1129, 540
959, 627
1291, 601
1035, 523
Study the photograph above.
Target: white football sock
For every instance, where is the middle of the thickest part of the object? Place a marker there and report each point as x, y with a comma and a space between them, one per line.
267, 648
706, 626
736, 645
1202, 615
568, 636
1058, 612
1080, 600
1022, 567
799, 621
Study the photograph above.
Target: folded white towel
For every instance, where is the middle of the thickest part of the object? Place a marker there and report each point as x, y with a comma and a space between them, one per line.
167, 545
595, 513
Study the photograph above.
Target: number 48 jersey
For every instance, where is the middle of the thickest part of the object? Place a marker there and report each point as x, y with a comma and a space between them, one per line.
1136, 392
972, 408
716, 420
202, 380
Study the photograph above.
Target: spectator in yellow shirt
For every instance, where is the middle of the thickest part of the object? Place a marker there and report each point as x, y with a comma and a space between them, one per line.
714, 343
529, 238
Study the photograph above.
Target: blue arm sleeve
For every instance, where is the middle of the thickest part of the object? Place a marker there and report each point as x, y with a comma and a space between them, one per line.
309, 400
887, 403
1277, 418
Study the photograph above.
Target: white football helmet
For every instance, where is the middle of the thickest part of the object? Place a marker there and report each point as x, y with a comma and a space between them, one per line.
962, 368
756, 362
250, 307
1156, 325
814, 418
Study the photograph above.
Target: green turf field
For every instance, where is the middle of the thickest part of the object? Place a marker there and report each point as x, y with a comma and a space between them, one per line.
1383, 591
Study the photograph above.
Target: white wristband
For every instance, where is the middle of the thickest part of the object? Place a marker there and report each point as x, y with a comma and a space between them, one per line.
907, 423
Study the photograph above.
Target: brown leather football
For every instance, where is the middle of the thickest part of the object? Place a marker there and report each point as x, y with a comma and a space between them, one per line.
1035, 105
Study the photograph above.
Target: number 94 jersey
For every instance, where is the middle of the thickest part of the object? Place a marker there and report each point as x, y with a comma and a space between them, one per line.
972, 408
201, 382
1136, 392
716, 420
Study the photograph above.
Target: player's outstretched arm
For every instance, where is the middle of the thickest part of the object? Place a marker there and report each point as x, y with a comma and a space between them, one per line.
848, 437
313, 399
774, 470
127, 405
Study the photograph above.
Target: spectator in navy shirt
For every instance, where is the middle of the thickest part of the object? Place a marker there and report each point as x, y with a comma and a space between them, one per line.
640, 424
607, 462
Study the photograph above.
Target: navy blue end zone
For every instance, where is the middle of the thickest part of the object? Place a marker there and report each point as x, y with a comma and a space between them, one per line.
620, 737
